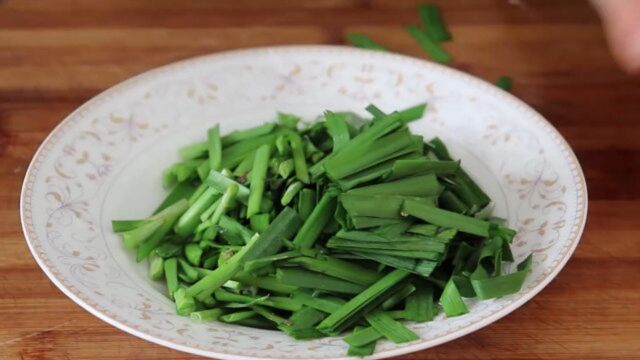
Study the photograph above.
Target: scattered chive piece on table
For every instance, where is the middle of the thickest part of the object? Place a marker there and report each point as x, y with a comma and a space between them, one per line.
432, 22
429, 45
505, 83
363, 41
317, 229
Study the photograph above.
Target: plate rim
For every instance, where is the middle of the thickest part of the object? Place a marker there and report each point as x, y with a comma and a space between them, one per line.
575, 234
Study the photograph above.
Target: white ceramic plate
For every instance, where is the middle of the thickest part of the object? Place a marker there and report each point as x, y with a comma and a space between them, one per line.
105, 159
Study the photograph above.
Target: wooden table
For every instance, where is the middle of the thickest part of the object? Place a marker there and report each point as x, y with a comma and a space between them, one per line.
56, 54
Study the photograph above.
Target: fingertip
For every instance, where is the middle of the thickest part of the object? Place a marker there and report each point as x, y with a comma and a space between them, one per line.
627, 51
621, 20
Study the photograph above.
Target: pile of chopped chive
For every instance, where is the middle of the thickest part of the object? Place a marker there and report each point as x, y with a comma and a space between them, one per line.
339, 226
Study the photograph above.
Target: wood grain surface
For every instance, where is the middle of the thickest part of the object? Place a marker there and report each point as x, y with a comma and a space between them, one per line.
56, 54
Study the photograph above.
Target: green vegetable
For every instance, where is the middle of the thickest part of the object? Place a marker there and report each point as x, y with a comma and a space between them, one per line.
167, 250
451, 300
156, 267
432, 23
204, 217
245, 166
270, 315
305, 318
338, 128
196, 194
266, 282
306, 203
171, 275
214, 147
363, 337
413, 254
316, 221
206, 315
364, 222
243, 135
169, 217
312, 280
378, 129
492, 287
417, 266
291, 191
302, 324
337, 268
258, 175
120, 226
188, 272
325, 304
430, 46
285, 168
233, 155
133, 238
299, 162
464, 186
363, 349
185, 304
259, 222
446, 218
266, 244
504, 82
203, 169
238, 316
218, 181
419, 305
191, 218
193, 151
366, 300
431, 246
368, 154
233, 231
226, 201
450, 201
193, 253
181, 191
314, 229
375, 172
258, 263
380, 206
362, 41
390, 328
273, 301
418, 186
398, 297
257, 322
288, 120
410, 167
